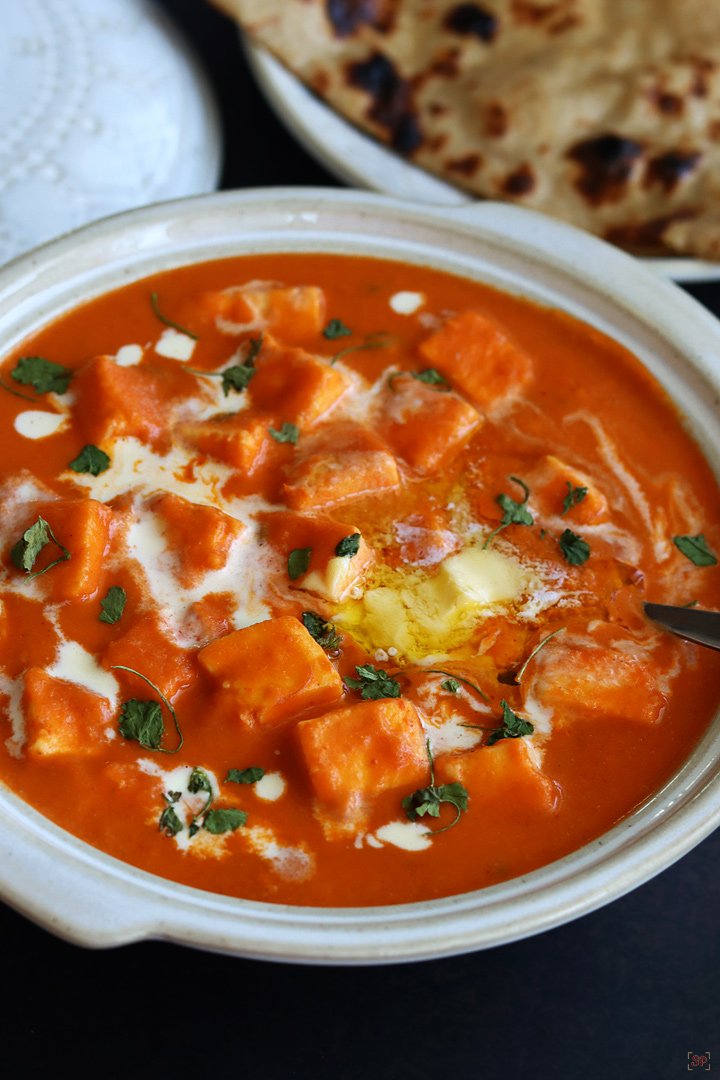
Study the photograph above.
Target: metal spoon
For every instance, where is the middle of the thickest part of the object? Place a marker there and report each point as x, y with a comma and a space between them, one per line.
700, 626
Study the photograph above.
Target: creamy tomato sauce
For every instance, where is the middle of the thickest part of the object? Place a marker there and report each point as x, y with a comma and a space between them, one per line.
322, 580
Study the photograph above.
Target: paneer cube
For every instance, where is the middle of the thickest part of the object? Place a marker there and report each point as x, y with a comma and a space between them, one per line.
359, 750
329, 576
479, 359
116, 402
294, 312
344, 462
241, 440
147, 648
504, 773
274, 670
199, 537
550, 483
62, 717
426, 427
587, 681
83, 526
297, 387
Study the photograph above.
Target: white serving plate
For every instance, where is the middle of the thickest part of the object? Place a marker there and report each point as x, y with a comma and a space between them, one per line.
93, 899
103, 107
357, 159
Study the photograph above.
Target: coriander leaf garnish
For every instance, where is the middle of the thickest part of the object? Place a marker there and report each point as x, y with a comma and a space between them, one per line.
513, 726
430, 376
221, 821
169, 322
199, 781
26, 550
451, 685
429, 799
574, 496
373, 683
514, 513
323, 632
16, 393
335, 329
142, 721
138, 718
298, 562
44, 376
519, 674
90, 460
348, 546
695, 549
356, 348
245, 776
574, 548
438, 671
170, 823
238, 376
287, 433
113, 605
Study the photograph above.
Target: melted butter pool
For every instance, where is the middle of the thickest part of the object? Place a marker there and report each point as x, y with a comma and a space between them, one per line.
424, 615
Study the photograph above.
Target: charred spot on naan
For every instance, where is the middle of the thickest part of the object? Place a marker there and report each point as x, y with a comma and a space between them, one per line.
392, 100
607, 164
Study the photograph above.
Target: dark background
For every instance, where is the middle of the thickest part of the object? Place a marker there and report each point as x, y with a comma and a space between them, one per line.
629, 991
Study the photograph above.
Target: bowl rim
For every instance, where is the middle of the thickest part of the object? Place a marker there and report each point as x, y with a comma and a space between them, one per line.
97, 900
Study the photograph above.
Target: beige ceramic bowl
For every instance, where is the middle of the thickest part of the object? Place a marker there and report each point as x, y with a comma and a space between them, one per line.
93, 899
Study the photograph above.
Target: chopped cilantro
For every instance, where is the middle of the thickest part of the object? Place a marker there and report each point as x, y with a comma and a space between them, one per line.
335, 329
513, 726
356, 348
199, 781
298, 562
574, 548
459, 678
695, 549
429, 799
287, 433
245, 776
323, 632
43, 375
90, 460
170, 823
26, 550
238, 376
519, 674
574, 496
113, 604
514, 513
348, 546
373, 683
222, 821
451, 685
430, 376
140, 721
169, 322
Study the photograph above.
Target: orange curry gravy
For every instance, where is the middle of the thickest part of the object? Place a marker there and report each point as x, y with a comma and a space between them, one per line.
427, 595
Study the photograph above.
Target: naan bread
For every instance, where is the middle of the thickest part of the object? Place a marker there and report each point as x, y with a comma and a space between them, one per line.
605, 113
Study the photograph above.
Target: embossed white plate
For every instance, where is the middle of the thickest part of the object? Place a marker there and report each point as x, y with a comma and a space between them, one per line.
102, 108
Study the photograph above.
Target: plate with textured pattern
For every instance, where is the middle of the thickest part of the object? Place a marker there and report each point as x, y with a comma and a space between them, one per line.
103, 107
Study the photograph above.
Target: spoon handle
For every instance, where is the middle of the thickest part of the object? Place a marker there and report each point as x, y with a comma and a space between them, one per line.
700, 626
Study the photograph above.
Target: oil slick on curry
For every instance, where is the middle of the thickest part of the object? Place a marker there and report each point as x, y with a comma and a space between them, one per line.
322, 580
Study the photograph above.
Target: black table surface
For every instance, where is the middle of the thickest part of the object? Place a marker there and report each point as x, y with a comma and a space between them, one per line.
630, 991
